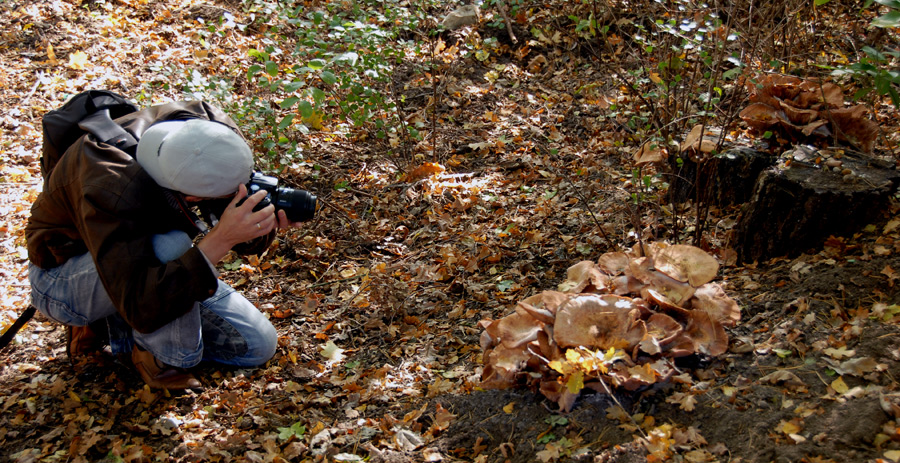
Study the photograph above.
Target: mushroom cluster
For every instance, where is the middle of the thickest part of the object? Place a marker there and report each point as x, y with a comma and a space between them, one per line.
802, 109
616, 322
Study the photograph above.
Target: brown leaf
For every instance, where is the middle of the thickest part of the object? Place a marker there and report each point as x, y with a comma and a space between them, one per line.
650, 152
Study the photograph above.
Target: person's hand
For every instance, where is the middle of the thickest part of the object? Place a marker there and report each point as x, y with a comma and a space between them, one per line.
283, 221
238, 224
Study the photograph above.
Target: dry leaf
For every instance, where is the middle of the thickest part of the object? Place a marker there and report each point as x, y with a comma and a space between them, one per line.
78, 60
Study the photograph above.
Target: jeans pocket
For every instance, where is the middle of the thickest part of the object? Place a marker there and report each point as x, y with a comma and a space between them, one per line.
57, 311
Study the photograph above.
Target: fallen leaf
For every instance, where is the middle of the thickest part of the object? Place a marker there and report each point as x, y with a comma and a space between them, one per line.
508, 408
78, 60
840, 386
332, 352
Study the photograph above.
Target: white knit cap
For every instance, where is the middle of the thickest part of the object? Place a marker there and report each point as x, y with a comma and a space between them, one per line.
196, 157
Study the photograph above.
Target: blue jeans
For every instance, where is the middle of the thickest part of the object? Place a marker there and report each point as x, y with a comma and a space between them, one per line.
225, 328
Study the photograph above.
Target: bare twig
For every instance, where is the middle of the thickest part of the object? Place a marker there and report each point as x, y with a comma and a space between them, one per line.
501, 5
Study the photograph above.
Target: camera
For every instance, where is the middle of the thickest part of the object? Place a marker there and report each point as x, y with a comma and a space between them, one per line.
299, 205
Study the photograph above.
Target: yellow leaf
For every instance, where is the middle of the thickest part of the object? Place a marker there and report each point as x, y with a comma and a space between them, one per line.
560, 367
51, 54
576, 382
78, 60
840, 386
314, 121
893, 455
509, 407
74, 396
788, 427
655, 78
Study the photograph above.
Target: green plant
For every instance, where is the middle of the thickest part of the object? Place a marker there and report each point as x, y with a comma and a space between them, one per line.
338, 73
876, 71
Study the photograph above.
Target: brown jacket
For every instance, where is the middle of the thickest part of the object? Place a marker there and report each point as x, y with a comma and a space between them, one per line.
99, 200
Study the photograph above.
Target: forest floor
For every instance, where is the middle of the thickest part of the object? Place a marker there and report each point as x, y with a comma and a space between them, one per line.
377, 301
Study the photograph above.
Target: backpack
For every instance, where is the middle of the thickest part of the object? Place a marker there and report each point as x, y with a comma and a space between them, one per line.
91, 111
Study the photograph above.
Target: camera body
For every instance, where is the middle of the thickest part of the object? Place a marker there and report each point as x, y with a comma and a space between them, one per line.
299, 205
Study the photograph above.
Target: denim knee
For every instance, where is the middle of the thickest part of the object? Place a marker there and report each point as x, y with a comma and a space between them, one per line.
262, 346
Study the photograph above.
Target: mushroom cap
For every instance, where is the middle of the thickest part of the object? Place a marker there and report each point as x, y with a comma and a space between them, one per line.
598, 320
664, 328
502, 364
707, 334
761, 116
548, 300
675, 291
613, 263
712, 299
517, 329
582, 276
686, 263
541, 315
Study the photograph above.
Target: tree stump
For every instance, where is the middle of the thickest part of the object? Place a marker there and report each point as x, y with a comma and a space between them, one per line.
727, 179
795, 208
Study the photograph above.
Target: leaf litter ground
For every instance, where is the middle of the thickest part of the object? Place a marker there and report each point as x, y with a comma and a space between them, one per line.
377, 301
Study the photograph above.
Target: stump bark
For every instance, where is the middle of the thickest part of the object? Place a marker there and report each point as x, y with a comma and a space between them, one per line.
725, 180
796, 208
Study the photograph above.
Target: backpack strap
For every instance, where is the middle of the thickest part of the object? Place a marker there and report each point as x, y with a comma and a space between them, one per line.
101, 125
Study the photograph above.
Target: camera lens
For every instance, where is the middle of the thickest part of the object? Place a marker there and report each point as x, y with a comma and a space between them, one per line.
299, 205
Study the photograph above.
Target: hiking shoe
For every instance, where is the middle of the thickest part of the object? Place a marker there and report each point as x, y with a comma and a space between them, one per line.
82, 340
158, 375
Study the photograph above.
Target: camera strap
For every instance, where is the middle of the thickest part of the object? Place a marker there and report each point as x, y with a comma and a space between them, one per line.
177, 202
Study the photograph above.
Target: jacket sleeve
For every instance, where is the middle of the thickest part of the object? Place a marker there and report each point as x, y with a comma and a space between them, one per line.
119, 214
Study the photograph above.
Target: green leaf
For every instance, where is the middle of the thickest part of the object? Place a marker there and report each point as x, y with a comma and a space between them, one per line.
253, 70
556, 420
328, 77
821, 2
289, 102
349, 58
258, 54
233, 265
306, 109
731, 73
295, 429
889, 20
318, 96
286, 122
294, 86
316, 64
272, 68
